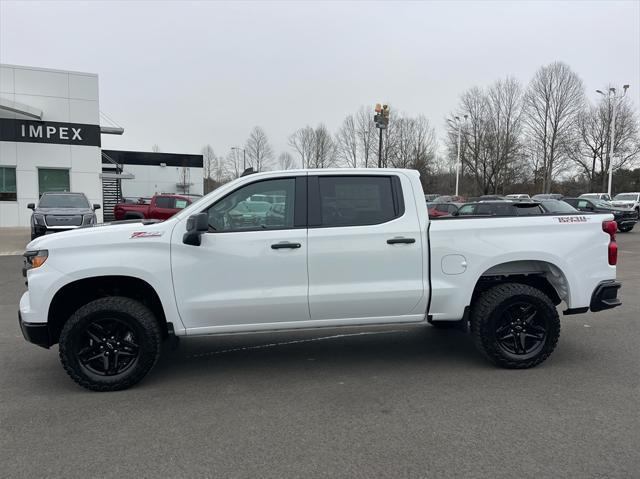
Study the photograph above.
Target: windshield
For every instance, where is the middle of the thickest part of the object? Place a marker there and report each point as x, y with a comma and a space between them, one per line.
63, 201
626, 197
556, 206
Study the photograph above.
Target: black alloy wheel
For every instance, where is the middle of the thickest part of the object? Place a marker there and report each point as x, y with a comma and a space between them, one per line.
520, 331
107, 347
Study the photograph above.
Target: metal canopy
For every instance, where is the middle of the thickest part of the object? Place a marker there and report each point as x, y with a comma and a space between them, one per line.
20, 108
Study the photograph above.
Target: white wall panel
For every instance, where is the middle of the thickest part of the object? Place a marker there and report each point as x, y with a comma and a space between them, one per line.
41, 82
87, 159
53, 109
6, 80
84, 111
8, 153
45, 155
9, 213
27, 184
83, 87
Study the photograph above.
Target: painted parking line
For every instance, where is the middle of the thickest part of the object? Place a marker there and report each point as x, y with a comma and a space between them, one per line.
11, 253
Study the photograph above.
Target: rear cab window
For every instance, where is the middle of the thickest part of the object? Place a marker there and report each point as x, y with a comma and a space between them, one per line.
354, 200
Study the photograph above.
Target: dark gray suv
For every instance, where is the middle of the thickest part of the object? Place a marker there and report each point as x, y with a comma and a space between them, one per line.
60, 212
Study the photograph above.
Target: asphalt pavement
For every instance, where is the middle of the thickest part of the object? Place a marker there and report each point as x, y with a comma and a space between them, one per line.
388, 402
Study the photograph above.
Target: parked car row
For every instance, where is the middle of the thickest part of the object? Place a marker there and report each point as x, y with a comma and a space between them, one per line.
489, 206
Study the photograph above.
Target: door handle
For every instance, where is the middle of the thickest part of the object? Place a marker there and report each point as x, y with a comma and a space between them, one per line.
401, 240
284, 245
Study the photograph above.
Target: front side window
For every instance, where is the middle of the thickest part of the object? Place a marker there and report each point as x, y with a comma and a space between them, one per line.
355, 200
8, 191
263, 205
52, 179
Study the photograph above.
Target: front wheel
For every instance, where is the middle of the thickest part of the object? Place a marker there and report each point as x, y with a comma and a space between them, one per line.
515, 325
625, 229
110, 344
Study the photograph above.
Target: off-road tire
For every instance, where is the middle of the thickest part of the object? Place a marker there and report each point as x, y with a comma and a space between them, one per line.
125, 310
488, 311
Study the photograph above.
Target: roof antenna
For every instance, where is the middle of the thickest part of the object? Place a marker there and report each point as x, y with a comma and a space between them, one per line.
248, 171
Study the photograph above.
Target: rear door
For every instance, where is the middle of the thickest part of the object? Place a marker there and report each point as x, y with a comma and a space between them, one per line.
364, 249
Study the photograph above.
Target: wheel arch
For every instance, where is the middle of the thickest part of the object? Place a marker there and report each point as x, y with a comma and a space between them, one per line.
541, 274
77, 293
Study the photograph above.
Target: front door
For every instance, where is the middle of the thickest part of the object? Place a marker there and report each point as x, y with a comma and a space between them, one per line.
365, 249
251, 268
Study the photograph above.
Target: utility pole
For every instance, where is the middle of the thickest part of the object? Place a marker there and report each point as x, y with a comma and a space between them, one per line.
612, 127
381, 119
458, 123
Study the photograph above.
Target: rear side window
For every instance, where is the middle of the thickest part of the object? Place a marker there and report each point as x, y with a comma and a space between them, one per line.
525, 210
357, 200
165, 202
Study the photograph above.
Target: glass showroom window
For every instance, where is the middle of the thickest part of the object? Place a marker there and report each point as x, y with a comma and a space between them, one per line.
50, 179
8, 184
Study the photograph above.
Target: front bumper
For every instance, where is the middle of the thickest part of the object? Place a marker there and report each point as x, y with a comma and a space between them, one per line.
36, 333
605, 296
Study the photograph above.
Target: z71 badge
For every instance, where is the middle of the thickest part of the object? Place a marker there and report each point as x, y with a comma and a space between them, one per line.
145, 234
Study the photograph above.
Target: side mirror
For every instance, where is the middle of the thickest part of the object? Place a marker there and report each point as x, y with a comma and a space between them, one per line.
96, 207
31, 206
196, 225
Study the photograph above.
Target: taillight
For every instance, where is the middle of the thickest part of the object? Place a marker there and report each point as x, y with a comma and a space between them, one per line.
611, 227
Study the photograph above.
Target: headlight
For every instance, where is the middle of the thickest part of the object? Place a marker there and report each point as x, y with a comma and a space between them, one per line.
34, 259
88, 219
39, 220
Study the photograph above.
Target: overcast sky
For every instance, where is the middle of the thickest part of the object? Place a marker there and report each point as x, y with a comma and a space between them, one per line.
186, 74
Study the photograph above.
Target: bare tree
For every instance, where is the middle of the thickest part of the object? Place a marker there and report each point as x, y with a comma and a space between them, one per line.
347, 142
366, 133
553, 101
233, 164
208, 161
592, 147
258, 149
323, 148
155, 148
286, 161
303, 141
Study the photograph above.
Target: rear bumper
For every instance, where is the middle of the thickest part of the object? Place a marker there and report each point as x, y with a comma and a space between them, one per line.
605, 296
36, 333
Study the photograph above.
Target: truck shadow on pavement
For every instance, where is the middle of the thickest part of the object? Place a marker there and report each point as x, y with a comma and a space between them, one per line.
332, 350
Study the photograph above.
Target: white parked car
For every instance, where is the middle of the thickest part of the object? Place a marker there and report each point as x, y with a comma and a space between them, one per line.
596, 196
518, 197
349, 248
627, 200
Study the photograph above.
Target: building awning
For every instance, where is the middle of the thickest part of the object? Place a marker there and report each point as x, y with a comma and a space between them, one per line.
20, 108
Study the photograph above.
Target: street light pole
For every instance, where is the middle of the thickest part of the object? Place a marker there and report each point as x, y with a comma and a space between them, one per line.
612, 130
459, 123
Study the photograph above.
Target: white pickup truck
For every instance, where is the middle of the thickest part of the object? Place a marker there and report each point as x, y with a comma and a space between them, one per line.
311, 249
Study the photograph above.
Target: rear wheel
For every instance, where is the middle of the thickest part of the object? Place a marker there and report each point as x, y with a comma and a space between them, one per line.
110, 344
515, 325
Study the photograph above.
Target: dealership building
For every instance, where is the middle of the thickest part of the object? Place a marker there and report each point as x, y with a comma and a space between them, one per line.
50, 140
